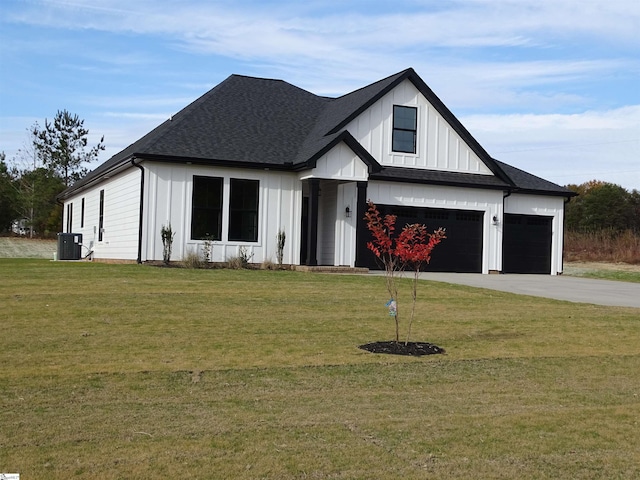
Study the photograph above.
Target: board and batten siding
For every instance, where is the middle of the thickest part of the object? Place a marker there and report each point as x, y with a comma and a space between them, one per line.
121, 214
345, 230
545, 206
432, 196
339, 163
438, 146
169, 197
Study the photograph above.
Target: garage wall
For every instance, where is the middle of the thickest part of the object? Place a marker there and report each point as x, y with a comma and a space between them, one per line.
489, 202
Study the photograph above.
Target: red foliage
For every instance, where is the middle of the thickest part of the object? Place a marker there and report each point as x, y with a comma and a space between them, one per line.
412, 247
414, 244
382, 231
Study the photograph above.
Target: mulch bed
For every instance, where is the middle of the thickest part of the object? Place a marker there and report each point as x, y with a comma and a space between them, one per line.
415, 349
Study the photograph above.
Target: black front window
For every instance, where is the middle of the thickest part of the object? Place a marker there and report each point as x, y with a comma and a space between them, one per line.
206, 214
243, 210
405, 124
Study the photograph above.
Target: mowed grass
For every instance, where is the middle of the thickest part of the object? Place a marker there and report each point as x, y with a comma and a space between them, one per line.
127, 371
621, 275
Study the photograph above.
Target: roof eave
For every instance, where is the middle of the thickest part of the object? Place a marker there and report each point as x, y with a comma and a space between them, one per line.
216, 162
444, 183
87, 183
543, 192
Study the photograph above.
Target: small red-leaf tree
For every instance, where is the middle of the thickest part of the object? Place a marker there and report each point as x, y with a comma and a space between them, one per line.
382, 247
412, 248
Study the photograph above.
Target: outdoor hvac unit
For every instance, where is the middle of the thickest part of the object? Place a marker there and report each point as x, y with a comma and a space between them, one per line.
69, 246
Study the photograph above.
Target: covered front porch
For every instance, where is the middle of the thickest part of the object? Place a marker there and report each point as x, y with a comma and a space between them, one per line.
331, 221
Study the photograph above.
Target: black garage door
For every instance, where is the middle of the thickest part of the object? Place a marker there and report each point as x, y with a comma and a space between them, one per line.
461, 251
526, 244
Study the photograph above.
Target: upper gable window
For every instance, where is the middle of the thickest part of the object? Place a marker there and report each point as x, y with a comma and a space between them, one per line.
405, 125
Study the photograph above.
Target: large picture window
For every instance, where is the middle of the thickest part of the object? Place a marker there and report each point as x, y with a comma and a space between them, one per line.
243, 210
405, 125
206, 214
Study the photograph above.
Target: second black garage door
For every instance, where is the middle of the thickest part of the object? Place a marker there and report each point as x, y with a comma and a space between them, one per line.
461, 251
526, 244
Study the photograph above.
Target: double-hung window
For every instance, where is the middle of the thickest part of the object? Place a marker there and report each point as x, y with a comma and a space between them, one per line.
206, 214
405, 125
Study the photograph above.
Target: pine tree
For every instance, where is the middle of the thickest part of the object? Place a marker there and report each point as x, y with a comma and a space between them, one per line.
62, 144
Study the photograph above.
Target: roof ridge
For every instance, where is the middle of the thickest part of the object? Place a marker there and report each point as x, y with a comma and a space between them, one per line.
406, 71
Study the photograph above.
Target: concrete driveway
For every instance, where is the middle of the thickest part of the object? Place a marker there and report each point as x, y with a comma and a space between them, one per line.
561, 287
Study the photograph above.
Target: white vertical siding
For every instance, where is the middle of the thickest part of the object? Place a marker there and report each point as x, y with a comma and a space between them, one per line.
438, 147
279, 208
327, 215
340, 163
345, 231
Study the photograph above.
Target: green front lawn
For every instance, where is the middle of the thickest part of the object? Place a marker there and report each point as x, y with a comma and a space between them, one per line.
128, 371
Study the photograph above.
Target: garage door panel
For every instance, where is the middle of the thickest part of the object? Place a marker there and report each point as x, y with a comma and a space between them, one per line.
527, 244
461, 251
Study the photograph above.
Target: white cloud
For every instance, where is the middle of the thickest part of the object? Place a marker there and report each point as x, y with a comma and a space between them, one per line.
574, 148
290, 29
330, 48
501, 56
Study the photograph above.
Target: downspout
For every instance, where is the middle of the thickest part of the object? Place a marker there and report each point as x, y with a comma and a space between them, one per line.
61, 220
133, 162
508, 194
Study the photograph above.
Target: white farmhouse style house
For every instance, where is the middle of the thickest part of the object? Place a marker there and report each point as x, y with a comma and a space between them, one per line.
255, 156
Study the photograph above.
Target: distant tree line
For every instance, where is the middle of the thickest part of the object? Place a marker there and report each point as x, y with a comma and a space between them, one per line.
603, 206
52, 159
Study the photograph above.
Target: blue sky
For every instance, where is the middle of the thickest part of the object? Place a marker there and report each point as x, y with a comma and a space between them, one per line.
548, 86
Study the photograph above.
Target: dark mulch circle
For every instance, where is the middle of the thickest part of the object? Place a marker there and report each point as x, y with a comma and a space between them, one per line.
415, 349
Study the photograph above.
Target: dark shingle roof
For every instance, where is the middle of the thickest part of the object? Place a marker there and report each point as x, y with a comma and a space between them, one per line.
262, 123
528, 183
